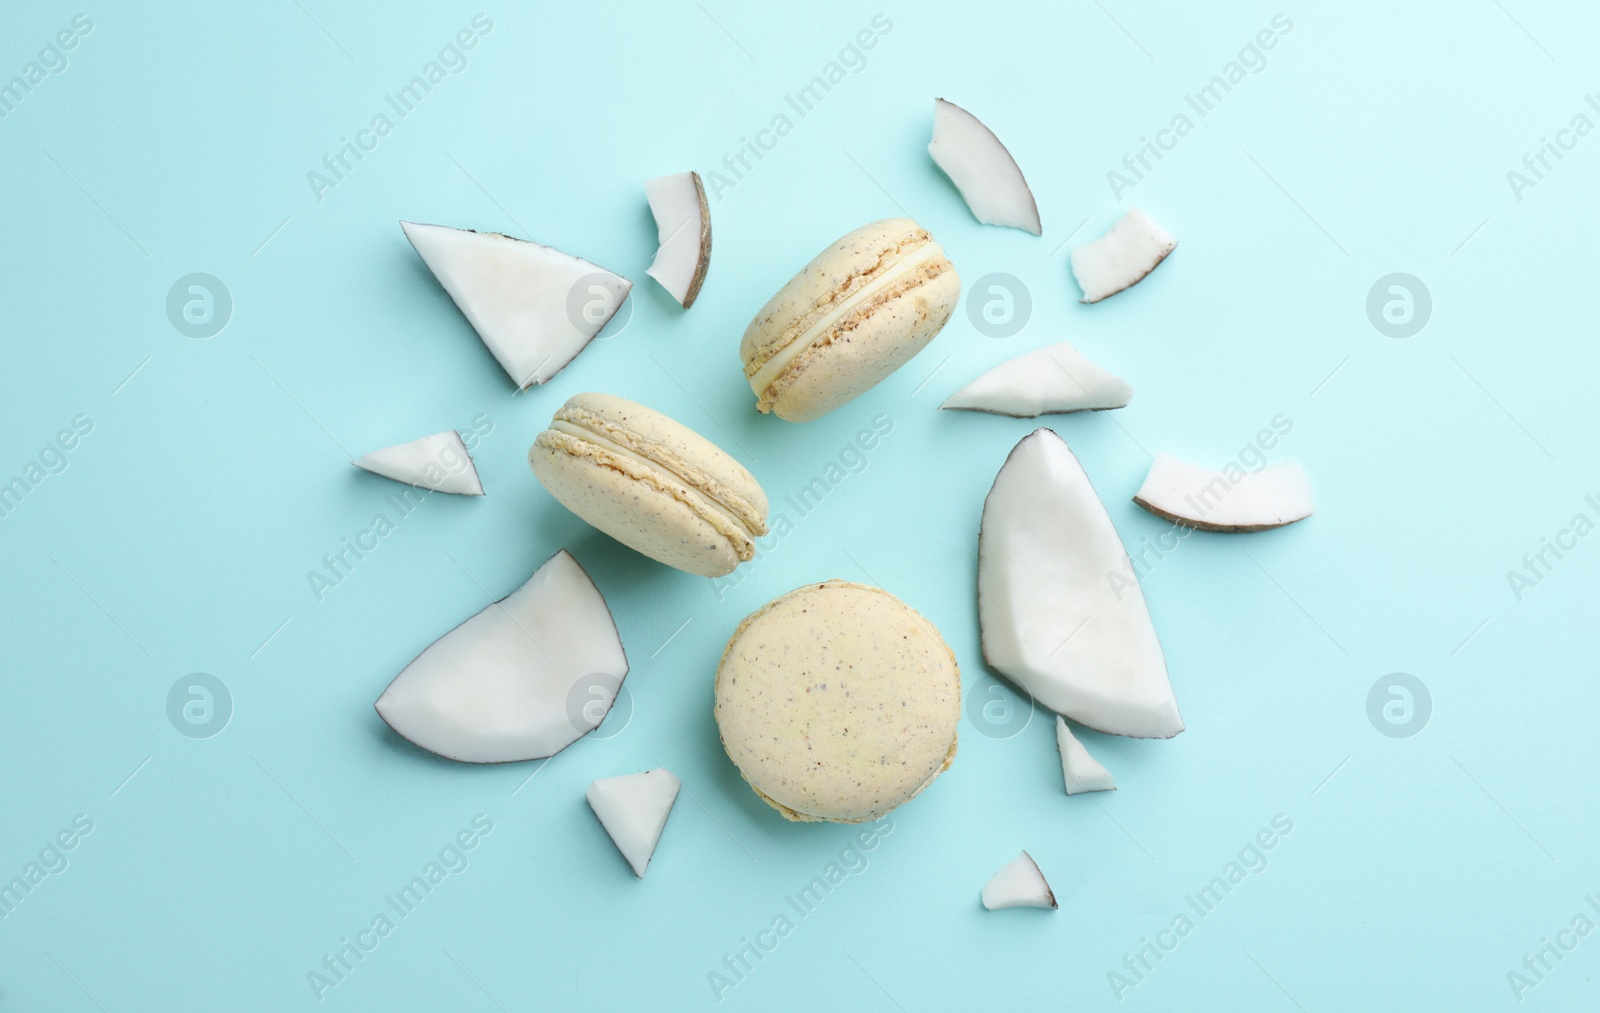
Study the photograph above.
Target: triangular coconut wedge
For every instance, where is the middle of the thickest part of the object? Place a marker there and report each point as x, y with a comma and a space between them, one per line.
1233, 500
1120, 258
1019, 883
524, 300
1080, 771
439, 462
634, 808
519, 680
1047, 381
982, 169
1060, 611
683, 230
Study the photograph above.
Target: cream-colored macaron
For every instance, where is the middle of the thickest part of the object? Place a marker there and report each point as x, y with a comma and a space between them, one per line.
859, 311
652, 484
838, 702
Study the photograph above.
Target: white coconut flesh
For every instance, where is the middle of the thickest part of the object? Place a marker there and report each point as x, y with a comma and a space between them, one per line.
1046, 381
521, 680
439, 462
1234, 500
534, 307
1060, 610
633, 809
1080, 771
982, 169
1120, 258
683, 232
1018, 883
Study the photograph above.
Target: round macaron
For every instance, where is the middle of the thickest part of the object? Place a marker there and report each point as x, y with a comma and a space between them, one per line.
838, 702
652, 484
859, 311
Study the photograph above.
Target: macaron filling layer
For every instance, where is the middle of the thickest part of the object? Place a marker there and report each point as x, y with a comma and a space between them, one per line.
732, 521
906, 268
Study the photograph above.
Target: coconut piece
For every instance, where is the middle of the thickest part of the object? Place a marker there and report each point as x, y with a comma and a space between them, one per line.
439, 462
1079, 770
634, 808
1120, 258
1046, 381
1019, 883
982, 169
1234, 500
517, 681
683, 230
1060, 611
534, 307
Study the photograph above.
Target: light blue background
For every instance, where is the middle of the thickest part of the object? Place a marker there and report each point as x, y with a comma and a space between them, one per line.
1377, 139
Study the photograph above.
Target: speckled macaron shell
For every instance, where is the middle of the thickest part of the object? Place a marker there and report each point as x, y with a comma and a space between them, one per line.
878, 332
651, 483
838, 702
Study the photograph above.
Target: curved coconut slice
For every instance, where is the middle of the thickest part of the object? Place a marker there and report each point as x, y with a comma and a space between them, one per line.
683, 229
1019, 883
1060, 612
1047, 381
439, 462
534, 306
1079, 770
517, 681
1233, 500
982, 169
634, 808
1120, 258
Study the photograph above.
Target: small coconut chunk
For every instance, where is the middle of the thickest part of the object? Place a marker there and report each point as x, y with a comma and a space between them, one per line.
1048, 381
683, 230
534, 307
633, 808
1079, 770
982, 169
1019, 883
439, 462
523, 679
1120, 258
1233, 500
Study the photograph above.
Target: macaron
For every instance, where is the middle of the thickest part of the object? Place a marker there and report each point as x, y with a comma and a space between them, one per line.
859, 311
838, 702
651, 483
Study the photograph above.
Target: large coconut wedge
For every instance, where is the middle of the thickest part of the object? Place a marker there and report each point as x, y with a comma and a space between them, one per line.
634, 808
1018, 883
519, 680
1060, 613
1047, 381
982, 169
439, 462
1122, 257
1233, 500
683, 230
534, 306
1079, 770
